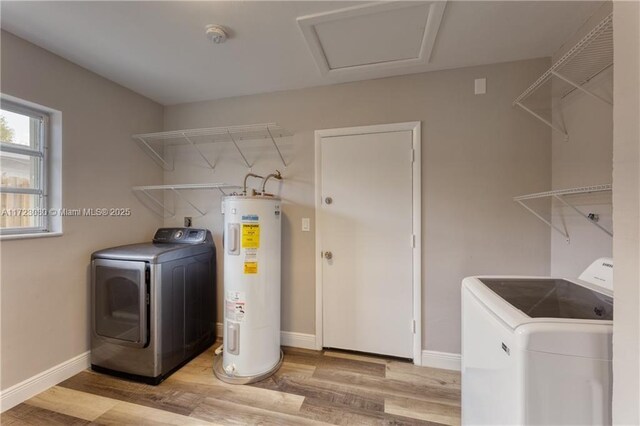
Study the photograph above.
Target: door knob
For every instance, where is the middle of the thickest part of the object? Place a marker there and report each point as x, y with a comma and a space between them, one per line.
328, 200
328, 255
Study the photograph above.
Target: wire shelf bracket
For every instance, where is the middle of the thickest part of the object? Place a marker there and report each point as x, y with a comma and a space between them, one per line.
559, 129
196, 137
560, 196
589, 57
176, 191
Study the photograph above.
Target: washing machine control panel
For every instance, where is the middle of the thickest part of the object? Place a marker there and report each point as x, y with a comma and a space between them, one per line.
180, 235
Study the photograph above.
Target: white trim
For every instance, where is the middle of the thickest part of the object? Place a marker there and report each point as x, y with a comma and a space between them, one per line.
22, 391
44, 234
444, 360
318, 250
287, 338
51, 166
417, 250
415, 128
297, 340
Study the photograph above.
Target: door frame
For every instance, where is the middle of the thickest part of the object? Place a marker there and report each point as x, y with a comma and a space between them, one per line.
415, 128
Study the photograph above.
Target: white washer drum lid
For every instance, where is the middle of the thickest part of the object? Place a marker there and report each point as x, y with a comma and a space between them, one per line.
559, 298
552, 298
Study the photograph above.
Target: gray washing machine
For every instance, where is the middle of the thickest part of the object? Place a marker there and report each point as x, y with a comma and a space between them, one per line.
153, 304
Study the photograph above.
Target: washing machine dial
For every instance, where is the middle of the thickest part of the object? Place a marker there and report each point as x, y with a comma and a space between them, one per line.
178, 235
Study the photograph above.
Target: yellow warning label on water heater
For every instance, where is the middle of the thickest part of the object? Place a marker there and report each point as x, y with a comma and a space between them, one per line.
250, 235
250, 267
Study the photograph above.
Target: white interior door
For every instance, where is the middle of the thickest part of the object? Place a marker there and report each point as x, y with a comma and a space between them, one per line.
366, 233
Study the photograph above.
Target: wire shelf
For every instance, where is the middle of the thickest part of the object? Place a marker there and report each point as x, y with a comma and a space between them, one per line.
592, 55
571, 191
218, 186
175, 189
155, 143
586, 59
559, 195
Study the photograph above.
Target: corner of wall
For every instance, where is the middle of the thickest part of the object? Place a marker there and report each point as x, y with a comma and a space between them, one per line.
626, 193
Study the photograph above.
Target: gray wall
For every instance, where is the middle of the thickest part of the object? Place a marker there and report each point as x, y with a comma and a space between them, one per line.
45, 286
626, 215
478, 152
585, 159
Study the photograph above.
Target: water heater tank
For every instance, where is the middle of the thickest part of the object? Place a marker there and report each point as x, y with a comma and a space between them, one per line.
252, 234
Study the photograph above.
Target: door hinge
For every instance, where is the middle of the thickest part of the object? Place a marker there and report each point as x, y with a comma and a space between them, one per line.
413, 241
413, 326
413, 155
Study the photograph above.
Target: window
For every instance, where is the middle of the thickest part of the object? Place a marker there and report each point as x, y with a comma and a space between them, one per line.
23, 169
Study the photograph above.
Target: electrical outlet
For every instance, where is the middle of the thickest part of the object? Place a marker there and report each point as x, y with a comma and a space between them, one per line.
188, 222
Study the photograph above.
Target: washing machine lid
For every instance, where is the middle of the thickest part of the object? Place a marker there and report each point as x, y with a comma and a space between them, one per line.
515, 313
153, 253
552, 298
519, 300
590, 297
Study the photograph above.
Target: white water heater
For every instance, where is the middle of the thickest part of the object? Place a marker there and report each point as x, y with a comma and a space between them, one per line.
252, 234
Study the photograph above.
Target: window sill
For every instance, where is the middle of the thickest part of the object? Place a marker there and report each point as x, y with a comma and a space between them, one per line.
28, 236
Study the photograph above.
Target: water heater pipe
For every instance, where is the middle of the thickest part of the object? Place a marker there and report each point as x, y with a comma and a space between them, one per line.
275, 175
244, 187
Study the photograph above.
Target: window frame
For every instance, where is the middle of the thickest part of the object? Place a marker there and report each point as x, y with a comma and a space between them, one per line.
43, 224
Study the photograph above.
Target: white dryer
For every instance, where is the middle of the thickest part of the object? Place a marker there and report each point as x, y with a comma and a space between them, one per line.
537, 350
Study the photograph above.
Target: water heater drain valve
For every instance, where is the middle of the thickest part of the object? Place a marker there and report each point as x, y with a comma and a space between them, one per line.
230, 369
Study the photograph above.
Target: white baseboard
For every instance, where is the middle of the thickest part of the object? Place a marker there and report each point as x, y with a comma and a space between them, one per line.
22, 391
445, 360
287, 338
298, 340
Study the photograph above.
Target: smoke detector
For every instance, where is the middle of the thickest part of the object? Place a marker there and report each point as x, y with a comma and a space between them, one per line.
216, 33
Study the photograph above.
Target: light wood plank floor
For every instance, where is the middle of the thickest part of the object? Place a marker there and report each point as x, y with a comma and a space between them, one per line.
311, 387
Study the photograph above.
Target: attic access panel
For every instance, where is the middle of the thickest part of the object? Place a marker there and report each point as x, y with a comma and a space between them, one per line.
372, 38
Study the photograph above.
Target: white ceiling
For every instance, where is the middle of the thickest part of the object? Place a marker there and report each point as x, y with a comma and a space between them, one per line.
159, 49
